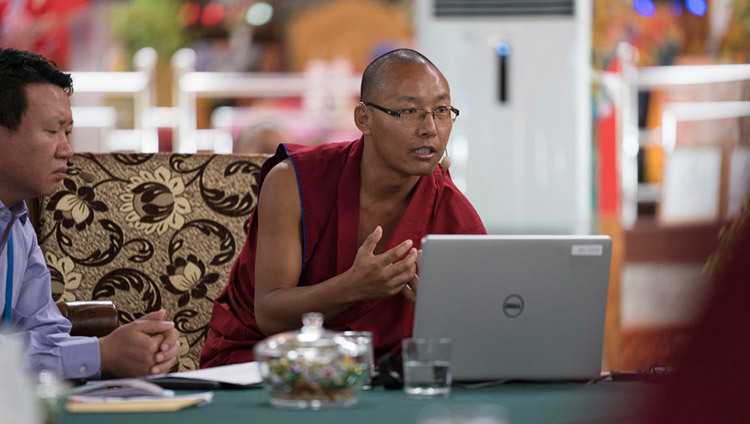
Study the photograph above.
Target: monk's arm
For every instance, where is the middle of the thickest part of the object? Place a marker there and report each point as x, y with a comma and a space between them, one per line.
279, 302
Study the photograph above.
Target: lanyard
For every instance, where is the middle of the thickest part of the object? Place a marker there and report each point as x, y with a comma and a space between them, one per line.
9, 284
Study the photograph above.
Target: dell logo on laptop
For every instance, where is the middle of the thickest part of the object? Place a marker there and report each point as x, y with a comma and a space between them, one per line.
513, 306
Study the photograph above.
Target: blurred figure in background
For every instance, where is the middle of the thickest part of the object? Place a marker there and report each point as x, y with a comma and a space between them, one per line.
710, 384
262, 137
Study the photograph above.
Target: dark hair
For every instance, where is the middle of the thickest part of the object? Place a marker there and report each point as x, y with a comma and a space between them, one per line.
371, 81
19, 68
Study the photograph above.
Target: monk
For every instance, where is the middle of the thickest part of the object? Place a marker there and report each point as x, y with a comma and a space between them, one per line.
338, 226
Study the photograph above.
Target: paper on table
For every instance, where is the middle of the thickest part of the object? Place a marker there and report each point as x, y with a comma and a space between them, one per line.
243, 374
121, 388
79, 404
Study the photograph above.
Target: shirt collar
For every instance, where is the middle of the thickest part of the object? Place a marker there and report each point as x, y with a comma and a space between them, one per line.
19, 210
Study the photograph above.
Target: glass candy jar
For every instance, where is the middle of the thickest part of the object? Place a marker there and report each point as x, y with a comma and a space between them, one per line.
312, 368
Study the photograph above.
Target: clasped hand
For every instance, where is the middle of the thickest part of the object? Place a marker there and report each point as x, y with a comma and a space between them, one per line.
145, 346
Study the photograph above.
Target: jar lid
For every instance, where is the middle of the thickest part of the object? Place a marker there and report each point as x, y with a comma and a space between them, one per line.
312, 342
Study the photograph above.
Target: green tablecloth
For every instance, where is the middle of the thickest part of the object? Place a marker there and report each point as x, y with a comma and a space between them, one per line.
515, 403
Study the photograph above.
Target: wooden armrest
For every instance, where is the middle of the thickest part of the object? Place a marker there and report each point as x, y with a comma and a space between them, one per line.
90, 317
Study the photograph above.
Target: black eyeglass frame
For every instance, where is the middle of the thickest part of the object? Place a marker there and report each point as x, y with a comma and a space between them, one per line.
397, 113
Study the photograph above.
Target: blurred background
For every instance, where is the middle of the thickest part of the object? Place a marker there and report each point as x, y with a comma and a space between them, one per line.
622, 117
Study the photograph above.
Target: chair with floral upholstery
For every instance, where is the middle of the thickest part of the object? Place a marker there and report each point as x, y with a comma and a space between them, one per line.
150, 231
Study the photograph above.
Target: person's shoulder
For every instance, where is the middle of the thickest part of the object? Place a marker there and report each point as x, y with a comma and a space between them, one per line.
282, 167
454, 210
321, 161
296, 157
444, 183
282, 178
319, 151
24, 231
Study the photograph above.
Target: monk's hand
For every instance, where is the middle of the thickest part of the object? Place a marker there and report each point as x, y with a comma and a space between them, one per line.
410, 290
375, 276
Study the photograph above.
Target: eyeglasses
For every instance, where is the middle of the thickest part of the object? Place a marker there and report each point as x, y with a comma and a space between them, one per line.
443, 115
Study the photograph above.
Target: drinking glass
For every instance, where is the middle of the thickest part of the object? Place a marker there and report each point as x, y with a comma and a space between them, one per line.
427, 371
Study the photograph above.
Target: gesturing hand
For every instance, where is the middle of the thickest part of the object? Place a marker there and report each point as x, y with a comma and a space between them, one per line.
410, 290
374, 276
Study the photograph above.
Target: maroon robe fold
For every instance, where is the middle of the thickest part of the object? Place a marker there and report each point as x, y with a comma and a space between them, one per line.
329, 181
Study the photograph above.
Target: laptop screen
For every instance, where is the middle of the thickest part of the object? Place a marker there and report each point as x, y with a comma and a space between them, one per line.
516, 307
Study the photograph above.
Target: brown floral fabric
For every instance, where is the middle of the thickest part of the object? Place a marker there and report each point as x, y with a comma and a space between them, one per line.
150, 231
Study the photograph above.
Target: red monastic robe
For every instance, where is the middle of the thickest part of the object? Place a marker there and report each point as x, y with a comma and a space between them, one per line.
329, 181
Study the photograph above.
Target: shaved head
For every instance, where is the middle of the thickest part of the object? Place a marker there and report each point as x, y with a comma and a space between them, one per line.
372, 81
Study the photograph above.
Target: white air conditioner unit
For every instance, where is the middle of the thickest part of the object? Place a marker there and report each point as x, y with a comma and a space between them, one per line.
519, 72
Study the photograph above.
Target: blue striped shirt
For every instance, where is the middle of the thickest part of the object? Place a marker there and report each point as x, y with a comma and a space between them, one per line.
33, 312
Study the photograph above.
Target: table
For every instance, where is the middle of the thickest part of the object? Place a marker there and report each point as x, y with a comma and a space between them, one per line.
539, 403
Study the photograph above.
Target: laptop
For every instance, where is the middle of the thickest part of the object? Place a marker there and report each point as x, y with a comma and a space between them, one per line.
516, 307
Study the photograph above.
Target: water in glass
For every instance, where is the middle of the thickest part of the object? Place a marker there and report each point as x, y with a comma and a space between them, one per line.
427, 378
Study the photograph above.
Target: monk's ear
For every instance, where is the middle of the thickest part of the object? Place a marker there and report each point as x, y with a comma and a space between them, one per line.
362, 118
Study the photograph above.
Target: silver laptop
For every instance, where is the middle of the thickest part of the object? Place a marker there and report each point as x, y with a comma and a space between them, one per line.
516, 307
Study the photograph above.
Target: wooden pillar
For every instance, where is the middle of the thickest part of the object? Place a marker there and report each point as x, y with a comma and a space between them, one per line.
611, 226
